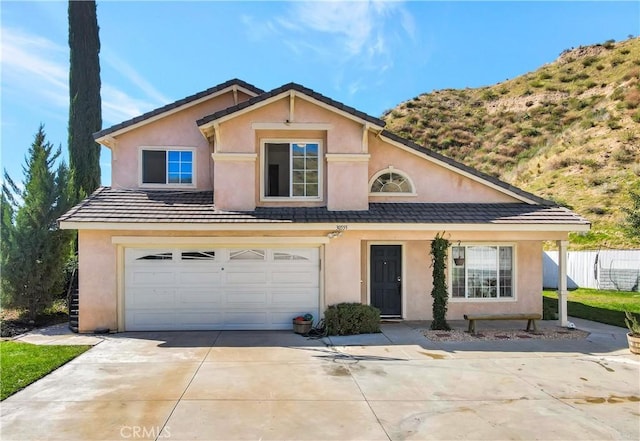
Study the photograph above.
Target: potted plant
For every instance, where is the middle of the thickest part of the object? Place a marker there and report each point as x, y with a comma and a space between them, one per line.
633, 336
302, 324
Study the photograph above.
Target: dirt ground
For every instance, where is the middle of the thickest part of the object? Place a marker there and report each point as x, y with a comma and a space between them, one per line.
12, 324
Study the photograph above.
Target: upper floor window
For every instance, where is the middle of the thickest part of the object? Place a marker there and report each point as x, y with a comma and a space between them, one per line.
292, 169
167, 166
391, 181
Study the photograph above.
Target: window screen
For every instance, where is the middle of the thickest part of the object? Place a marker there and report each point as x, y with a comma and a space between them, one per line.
154, 167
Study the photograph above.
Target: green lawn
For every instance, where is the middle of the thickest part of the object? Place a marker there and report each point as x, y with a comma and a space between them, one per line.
23, 363
597, 305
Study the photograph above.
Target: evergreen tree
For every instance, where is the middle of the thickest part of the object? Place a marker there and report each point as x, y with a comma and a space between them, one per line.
85, 115
34, 250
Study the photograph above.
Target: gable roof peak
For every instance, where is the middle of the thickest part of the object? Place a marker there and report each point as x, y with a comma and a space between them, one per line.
189, 100
310, 93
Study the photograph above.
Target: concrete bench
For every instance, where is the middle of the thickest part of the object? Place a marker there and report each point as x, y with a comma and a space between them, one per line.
531, 319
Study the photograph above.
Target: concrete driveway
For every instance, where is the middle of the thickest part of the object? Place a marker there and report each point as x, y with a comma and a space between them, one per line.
277, 385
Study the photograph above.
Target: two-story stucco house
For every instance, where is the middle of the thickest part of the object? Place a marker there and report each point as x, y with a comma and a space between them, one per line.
237, 208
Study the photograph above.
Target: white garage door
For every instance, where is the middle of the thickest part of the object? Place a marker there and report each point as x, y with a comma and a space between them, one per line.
213, 288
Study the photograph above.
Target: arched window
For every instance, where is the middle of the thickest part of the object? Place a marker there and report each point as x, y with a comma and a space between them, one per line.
391, 181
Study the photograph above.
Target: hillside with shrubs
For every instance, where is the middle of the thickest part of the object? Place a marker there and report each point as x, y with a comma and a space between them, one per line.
569, 132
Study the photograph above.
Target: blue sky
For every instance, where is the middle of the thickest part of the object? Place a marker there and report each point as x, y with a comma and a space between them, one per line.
368, 54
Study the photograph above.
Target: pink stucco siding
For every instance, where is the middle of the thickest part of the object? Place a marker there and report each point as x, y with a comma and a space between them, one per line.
175, 130
345, 275
434, 183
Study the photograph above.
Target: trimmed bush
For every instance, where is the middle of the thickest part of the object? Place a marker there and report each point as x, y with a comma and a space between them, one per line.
351, 319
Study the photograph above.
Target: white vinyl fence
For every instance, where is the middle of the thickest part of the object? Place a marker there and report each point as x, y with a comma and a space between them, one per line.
602, 269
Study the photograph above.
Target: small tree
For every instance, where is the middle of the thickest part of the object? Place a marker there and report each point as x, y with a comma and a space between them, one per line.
35, 250
439, 247
633, 215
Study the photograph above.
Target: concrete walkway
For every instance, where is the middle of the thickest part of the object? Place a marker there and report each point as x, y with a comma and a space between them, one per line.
277, 385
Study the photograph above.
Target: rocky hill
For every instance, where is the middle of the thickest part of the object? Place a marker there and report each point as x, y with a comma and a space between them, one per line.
569, 132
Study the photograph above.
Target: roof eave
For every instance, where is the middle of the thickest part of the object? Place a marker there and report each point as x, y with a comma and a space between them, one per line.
327, 226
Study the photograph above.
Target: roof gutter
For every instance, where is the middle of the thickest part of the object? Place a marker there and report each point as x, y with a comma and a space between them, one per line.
288, 226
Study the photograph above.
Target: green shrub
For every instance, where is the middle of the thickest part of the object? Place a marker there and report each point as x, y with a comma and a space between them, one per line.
614, 123
351, 318
616, 61
549, 309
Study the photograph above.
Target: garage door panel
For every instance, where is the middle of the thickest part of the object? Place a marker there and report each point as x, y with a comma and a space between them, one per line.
200, 319
148, 277
245, 299
294, 298
243, 277
300, 276
246, 318
151, 297
191, 277
206, 297
219, 288
152, 320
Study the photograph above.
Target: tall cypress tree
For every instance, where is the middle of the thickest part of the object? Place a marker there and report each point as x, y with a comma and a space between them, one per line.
85, 114
34, 250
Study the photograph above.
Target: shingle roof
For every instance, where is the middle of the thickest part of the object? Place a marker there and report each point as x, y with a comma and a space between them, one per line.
175, 104
285, 88
129, 206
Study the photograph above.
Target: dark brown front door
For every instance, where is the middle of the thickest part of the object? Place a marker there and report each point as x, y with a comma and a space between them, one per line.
386, 281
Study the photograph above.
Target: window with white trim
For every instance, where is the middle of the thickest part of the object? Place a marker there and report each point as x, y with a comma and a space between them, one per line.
482, 272
166, 166
391, 181
292, 169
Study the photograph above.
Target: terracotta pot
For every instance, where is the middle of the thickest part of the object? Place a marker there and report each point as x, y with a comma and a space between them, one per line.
634, 343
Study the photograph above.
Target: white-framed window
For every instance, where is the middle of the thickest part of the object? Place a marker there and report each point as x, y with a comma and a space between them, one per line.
482, 272
164, 166
291, 169
391, 182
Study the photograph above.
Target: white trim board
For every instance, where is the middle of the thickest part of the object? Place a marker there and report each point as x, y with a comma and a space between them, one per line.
273, 242
288, 226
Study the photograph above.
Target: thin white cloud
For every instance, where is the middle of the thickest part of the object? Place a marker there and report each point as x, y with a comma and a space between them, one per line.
118, 106
133, 76
351, 36
29, 60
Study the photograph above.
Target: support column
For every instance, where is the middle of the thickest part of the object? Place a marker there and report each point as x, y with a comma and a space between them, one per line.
562, 282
